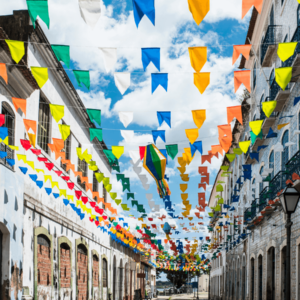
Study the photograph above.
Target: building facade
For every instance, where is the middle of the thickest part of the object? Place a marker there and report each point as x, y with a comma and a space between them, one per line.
47, 250
252, 241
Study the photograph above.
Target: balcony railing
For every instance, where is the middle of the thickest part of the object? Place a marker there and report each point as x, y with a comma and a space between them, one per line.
271, 37
274, 89
296, 38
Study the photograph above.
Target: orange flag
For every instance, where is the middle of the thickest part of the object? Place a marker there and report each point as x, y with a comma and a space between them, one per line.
247, 4
19, 103
205, 158
216, 149
201, 81
30, 126
242, 77
3, 72
240, 49
225, 136
234, 112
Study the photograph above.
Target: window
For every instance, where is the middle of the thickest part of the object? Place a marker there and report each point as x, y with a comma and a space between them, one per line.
95, 183
253, 188
261, 184
271, 80
285, 153
262, 98
254, 76
298, 15
271, 163
104, 196
67, 150
104, 273
10, 124
254, 118
285, 41
82, 167
44, 125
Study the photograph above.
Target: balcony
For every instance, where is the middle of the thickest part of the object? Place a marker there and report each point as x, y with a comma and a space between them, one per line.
276, 93
269, 45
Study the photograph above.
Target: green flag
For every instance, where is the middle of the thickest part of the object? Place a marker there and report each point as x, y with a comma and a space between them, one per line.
82, 77
126, 184
254, 137
38, 8
130, 195
95, 132
95, 116
111, 158
62, 53
172, 150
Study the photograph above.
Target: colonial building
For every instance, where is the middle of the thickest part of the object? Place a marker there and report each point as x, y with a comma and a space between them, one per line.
47, 251
254, 236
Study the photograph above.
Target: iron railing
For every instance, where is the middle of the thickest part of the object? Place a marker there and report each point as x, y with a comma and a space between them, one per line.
296, 38
275, 88
270, 39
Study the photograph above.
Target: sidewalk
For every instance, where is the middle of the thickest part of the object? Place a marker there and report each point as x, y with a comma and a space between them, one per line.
202, 296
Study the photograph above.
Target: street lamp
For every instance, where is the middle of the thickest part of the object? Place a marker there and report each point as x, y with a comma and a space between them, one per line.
209, 269
289, 199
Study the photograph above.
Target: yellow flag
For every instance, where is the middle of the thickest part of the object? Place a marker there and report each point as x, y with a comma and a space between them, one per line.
16, 148
32, 138
54, 183
57, 111
256, 126
286, 50
22, 157
70, 197
5, 141
192, 134
40, 75
48, 177
268, 107
17, 50
144, 225
64, 131
188, 152
244, 146
237, 151
283, 76
201, 81
40, 171
181, 161
140, 219
183, 187
282, 125
87, 157
117, 151
198, 57
31, 164
199, 9
63, 193
199, 116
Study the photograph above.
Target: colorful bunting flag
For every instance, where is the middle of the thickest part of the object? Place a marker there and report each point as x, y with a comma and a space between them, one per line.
242, 77
38, 8
62, 53
159, 79
151, 55
201, 81
17, 50
172, 150
199, 9
96, 132
240, 49
82, 77
164, 116
283, 76
40, 74
19, 103
141, 8
117, 151
90, 11
57, 112
3, 72
122, 81
65, 131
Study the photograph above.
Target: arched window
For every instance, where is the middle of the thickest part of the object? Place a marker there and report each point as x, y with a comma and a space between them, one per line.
10, 125
285, 153
271, 272
260, 277
104, 273
298, 15
44, 260
271, 163
254, 76
253, 188
252, 283
262, 114
271, 80
261, 184
121, 280
254, 118
114, 278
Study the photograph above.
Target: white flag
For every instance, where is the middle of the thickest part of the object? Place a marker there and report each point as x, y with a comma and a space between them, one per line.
149, 196
128, 136
126, 117
109, 57
135, 155
122, 81
90, 11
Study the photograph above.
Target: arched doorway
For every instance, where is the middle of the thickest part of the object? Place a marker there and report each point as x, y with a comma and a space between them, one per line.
126, 281
82, 275
114, 279
271, 274
104, 278
121, 280
260, 277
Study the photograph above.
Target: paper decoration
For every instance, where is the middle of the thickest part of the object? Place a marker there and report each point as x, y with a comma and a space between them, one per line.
40, 74
17, 50
126, 117
30, 127
142, 151
57, 112
90, 11
95, 116
254, 155
38, 8
201, 81
183, 187
240, 49
283, 76
199, 9
164, 116
96, 132
253, 137
242, 77
64, 131
198, 57
151, 55
159, 79
247, 4
237, 151
280, 126
111, 158
230, 157
268, 107
135, 156
225, 136
256, 126
19, 103
172, 150
286, 50
199, 116
109, 57
117, 151
3, 72
158, 133
234, 112
127, 135
122, 81
82, 77
196, 146
62, 53
192, 134
244, 146
271, 134
141, 8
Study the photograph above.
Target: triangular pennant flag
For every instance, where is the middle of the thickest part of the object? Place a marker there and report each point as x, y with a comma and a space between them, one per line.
30, 126
247, 4
110, 58
230, 157
40, 74
256, 126
95, 116
199, 9
253, 137
158, 133
151, 55
198, 57
237, 151
19, 103
142, 150
111, 158
268, 107
244, 146
3, 72
82, 77
128, 135
280, 126
65, 131
126, 118
90, 11
135, 156
183, 187
242, 77
192, 134
201, 81
62, 53
234, 112
240, 49
57, 112
117, 151
159, 79
122, 81
196, 146
95, 132
283, 76
141, 8
286, 50
17, 50
164, 116
172, 150
38, 8
199, 116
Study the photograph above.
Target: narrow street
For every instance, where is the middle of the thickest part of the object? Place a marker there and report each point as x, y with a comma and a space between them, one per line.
202, 296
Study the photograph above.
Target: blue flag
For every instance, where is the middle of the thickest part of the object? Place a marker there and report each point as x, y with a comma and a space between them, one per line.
141, 8
3, 154
296, 100
159, 79
23, 170
39, 183
164, 116
55, 195
158, 133
66, 202
196, 146
3, 132
151, 55
254, 155
33, 177
271, 134
11, 162
48, 190
261, 147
